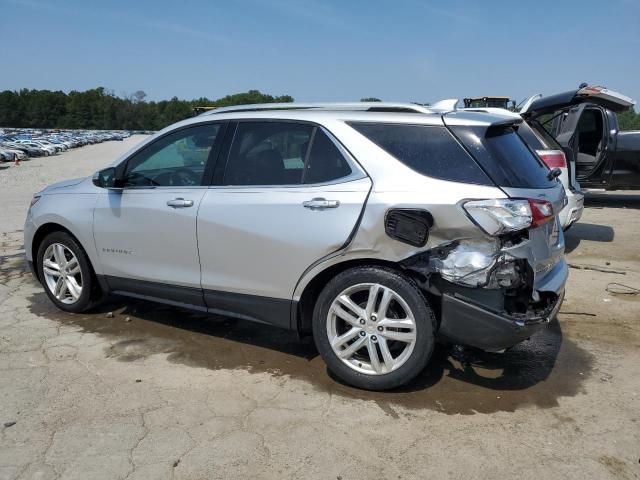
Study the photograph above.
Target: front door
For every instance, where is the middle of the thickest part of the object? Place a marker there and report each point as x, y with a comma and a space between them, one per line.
290, 196
145, 233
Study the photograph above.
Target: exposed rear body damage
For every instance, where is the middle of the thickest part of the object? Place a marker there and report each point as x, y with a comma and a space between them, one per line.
494, 293
494, 290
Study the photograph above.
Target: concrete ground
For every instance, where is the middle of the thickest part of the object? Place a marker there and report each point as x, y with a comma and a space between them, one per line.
152, 392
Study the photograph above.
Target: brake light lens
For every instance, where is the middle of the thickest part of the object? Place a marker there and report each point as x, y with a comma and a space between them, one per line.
553, 158
541, 212
498, 216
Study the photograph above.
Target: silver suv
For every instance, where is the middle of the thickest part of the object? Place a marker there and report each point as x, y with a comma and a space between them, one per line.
378, 228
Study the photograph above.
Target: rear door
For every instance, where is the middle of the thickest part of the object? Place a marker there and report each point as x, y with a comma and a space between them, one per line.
288, 195
584, 131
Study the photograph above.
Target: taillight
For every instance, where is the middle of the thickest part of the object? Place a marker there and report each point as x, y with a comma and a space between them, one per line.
505, 215
553, 158
541, 212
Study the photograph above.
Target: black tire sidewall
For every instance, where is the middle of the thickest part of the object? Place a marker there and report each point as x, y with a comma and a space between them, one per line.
423, 314
84, 302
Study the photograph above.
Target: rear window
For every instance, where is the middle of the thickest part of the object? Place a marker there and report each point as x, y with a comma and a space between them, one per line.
530, 138
431, 151
537, 137
504, 156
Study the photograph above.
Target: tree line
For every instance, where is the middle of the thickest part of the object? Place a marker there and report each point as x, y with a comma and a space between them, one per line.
629, 120
101, 109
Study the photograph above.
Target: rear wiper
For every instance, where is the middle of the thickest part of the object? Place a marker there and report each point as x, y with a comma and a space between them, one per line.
554, 173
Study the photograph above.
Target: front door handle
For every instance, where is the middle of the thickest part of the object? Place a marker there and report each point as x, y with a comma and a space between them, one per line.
180, 203
320, 204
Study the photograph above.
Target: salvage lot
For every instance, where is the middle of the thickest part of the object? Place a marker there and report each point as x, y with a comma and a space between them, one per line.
156, 392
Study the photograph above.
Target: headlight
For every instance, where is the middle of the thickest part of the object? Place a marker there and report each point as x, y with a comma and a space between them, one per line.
34, 200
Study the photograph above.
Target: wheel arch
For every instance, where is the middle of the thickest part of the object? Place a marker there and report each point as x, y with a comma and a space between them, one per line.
309, 296
41, 233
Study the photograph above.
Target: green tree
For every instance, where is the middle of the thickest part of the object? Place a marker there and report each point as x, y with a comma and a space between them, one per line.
100, 108
629, 120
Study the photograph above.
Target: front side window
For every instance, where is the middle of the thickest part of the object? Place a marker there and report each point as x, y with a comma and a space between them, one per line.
178, 159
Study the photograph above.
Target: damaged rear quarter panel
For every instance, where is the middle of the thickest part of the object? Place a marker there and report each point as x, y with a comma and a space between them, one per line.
440, 198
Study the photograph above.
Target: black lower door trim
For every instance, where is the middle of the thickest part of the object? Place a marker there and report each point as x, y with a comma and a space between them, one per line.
188, 297
271, 311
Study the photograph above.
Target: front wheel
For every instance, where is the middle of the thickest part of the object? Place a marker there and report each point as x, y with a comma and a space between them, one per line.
65, 272
374, 328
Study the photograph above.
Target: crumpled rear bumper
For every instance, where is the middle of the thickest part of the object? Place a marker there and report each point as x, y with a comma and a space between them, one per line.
468, 322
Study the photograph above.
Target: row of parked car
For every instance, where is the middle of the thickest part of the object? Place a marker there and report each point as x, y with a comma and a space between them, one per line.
20, 144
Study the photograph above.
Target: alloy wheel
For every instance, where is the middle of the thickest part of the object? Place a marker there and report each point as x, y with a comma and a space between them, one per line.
62, 273
371, 328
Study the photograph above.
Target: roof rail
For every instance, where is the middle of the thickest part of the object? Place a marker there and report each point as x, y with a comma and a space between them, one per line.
347, 106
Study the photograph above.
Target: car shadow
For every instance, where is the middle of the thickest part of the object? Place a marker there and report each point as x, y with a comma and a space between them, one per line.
587, 231
537, 371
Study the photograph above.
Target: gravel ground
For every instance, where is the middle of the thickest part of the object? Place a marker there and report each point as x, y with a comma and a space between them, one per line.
140, 391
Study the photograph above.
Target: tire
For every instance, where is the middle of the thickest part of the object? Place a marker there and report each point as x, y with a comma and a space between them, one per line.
70, 298
404, 358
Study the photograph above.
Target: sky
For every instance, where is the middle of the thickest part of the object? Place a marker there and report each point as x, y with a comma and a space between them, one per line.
330, 50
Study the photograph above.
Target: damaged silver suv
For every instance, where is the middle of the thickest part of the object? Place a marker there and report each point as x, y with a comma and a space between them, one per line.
378, 228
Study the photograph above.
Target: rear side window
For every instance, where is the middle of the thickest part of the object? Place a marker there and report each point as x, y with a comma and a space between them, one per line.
325, 162
431, 151
504, 156
268, 153
283, 153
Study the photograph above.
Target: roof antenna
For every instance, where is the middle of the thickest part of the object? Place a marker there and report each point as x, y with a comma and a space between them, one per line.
447, 105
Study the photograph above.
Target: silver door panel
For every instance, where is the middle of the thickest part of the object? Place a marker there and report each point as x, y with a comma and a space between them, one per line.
138, 235
260, 240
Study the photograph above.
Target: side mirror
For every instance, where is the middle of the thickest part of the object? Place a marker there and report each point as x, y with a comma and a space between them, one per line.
106, 178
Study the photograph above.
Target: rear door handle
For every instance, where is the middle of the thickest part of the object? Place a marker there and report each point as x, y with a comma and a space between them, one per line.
320, 204
180, 203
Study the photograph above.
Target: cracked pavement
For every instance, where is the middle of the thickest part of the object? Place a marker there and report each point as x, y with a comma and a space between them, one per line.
153, 392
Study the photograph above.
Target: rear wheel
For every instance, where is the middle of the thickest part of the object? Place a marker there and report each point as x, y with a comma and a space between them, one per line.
374, 328
66, 273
